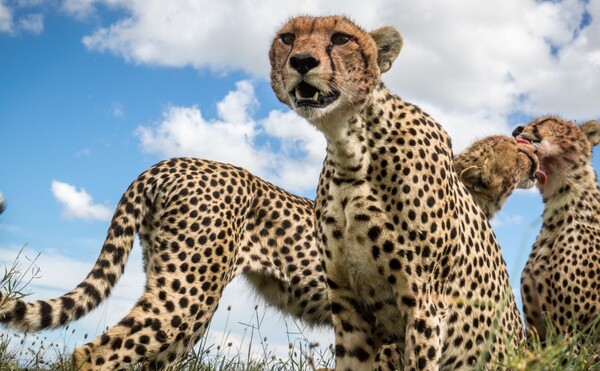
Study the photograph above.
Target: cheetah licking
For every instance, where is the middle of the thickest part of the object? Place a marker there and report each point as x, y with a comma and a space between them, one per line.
561, 279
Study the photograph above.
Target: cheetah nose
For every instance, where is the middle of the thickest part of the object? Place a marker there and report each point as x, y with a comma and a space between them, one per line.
518, 130
303, 62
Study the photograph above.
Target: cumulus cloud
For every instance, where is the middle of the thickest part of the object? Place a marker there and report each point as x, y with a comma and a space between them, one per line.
32, 23
14, 24
281, 147
6, 18
79, 204
79, 8
466, 56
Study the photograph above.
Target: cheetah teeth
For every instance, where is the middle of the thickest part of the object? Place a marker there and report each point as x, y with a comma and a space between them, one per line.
315, 98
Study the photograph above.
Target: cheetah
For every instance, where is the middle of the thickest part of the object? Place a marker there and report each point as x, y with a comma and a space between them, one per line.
283, 289
200, 223
409, 257
493, 167
561, 279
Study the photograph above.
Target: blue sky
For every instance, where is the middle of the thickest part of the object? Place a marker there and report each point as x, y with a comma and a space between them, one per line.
93, 92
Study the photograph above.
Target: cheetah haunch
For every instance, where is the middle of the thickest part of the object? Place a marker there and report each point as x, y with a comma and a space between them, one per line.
561, 280
200, 223
408, 255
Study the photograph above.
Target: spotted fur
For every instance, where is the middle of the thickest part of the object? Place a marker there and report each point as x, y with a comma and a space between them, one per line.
561, 280
493, 167
200, 223
408, 255
301, 295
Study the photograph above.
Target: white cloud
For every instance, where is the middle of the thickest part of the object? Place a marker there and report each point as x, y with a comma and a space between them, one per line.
79, 204
12, 24
289, 153
32, 23
6, 18
117, 110
79, 8
502, 219
86, 152
469, 61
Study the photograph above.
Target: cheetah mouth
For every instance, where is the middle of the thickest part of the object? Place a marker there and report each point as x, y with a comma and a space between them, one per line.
541, 177
536, 172
306, 95
526, 140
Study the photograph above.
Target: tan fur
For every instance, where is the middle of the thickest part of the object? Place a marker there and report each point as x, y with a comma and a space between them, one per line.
408, 255
493, 167
201, 223
561, 280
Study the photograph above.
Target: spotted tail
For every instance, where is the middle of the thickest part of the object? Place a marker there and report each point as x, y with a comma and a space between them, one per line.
98, 284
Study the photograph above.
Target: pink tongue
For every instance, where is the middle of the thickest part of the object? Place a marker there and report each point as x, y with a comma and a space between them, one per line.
520, 139
541, 177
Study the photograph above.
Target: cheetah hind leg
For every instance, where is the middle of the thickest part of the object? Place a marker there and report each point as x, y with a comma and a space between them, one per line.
162, 327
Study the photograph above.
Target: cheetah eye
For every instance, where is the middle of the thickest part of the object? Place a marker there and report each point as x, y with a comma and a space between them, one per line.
287, 38
339, 38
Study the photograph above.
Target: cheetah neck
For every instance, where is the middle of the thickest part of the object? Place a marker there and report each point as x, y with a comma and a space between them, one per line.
575, 193
347, 141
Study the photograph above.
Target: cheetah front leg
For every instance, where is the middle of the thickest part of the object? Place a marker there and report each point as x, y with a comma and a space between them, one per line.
423, 338
355, 345
531, 305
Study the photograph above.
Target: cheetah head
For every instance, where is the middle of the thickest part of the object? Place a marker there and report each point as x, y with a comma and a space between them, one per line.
324, 68
492, 168
561, 145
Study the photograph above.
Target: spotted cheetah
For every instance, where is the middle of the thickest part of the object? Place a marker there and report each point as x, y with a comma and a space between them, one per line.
284, 289
200, 223
561, 279
493, 167
407, 254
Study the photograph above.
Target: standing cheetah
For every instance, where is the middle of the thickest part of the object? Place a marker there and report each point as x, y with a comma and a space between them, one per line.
493, 167
200, 223
561, 280
407, 254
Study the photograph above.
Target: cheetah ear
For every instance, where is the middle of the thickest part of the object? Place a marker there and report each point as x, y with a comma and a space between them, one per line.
389, 42
472, 177
591, 129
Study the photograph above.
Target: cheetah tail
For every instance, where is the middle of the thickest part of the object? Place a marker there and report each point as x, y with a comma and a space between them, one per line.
98, 284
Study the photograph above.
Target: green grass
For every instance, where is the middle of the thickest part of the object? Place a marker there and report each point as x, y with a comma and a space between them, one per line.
20, 352
578, 352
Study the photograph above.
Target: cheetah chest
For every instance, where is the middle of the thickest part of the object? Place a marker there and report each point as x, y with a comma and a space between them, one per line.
359, 246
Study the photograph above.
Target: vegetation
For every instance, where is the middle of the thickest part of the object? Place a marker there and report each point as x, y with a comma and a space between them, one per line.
20, 352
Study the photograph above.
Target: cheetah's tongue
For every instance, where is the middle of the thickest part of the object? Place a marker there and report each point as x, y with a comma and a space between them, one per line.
520, 139
542, 178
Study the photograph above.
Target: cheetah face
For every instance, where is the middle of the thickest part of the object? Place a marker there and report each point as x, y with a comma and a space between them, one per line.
493, 167
560, 145
324, 68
